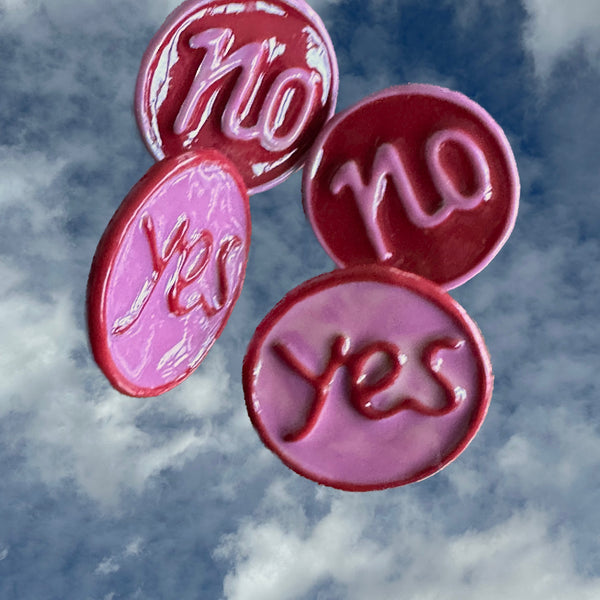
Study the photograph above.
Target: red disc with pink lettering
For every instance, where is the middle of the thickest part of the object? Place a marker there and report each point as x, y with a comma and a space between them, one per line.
168, 271
367, 378
417, 177
256, 80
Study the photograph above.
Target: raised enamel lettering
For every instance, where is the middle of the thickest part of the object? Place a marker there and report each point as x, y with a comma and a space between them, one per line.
250, 59
194, 254
361, 390
366, 378
389, 163
255, 80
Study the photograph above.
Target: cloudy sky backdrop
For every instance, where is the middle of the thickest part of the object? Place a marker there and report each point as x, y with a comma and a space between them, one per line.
105, 497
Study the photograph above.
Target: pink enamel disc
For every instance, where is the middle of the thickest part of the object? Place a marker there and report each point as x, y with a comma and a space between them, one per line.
256, 80
367, 378
168, 271
416, 177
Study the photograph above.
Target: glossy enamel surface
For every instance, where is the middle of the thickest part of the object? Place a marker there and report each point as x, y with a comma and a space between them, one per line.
367, 378
167, 272
255, 80
417, 177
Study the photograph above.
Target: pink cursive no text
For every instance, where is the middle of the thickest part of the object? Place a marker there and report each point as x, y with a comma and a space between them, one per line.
389, 163
251, 59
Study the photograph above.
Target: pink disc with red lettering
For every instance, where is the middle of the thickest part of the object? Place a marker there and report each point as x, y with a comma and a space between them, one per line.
168, 271
256, 80
367, 378
417, 177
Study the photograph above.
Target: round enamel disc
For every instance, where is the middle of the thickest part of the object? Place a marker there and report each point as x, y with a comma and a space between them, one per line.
256, 80
168, 271
417, 177
367, 378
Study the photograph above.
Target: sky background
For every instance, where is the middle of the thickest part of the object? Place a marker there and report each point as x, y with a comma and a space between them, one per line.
106, 497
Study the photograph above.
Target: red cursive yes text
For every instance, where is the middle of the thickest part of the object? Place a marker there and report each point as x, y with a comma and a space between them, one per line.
193, 256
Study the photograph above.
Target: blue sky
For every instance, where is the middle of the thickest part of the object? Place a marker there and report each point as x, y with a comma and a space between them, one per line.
105, 497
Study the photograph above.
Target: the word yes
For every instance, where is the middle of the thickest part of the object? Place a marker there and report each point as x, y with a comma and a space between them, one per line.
194, 257
361, 390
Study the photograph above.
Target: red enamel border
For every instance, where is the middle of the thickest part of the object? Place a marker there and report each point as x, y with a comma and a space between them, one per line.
314, 159
109, 246
184, 11
378, 274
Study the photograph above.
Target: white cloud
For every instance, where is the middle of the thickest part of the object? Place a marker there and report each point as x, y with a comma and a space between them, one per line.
557, 27
158, 10
114, 563
76, 426
19, 11
537, 451
107, 566
16, 11
134, 548
25, 178
520, 558
72, 427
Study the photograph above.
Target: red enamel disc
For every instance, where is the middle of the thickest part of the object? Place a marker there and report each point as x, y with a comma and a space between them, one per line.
417, 177
255, 80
